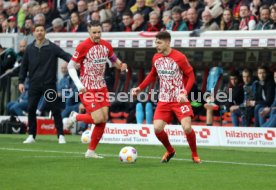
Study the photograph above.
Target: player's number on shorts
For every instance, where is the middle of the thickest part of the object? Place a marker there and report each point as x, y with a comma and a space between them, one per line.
184, 109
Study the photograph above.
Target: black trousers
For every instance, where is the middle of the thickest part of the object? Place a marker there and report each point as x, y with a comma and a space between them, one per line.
50, 94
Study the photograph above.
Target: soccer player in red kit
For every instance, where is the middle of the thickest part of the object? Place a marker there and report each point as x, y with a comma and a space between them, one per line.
176, 80
92, 55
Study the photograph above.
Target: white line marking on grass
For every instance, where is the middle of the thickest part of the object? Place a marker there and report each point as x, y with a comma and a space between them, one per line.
146, 157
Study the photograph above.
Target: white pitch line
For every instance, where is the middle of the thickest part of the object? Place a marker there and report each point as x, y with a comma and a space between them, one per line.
146, 157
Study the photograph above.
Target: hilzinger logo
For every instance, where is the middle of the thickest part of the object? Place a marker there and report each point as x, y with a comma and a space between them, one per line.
126, 132
269, 135
144, 132
204, 133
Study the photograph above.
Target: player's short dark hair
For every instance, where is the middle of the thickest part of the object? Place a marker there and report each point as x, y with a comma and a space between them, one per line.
128, 13
107, 22
93, 23
164, 35
39, 25
234, 73
247, 70
263, 67
264, 7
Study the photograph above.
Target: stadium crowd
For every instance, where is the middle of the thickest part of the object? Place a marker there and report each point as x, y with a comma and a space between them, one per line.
137, 15
253, 97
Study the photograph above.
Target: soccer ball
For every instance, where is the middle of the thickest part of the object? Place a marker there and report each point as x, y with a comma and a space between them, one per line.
128, 154
86, 136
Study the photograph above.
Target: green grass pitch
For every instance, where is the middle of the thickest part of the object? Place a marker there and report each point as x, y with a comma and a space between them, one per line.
48, 165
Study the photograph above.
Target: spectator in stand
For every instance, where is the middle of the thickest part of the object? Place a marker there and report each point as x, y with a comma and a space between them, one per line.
50, 14
208, 22
95, 16
15, 7
227, 4
159, 6
76, 25
20, 53
13, 28
105, 14
270, 110
264, 21
2, 10
36, 9
82, 10
127, 21
4, 26
67, 90
178, 23
264, 95
140, 7
90, 9
167, 20
20, 106
245, 111
58, 25
117, 13
22, 14
193, 22
28, 27
139, 23
247, 21
227, 21
254, 8
71, 6
184, 16
198, 6
273, 17
153, 25
107, 26
2, 18
214, 6
39, 19
233, 89
237, 96
7, 59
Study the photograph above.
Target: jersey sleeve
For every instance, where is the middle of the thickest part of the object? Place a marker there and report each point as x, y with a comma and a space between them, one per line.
188, 77
184, 64
79, 54
150, 78
110, 49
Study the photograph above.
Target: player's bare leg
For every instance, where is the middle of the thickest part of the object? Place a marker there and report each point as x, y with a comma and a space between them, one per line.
100, 118
162, 136
186, 123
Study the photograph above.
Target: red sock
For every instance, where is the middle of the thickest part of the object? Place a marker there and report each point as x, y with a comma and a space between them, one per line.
96, 135
164, 139
86, 118
191, 138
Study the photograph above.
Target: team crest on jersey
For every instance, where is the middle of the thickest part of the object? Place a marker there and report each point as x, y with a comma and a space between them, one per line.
76, 54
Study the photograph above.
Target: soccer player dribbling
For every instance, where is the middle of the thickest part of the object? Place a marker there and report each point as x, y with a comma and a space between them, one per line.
92, 55
176, 80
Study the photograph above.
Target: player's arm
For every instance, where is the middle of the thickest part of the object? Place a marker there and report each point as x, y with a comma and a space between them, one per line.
118, 63
149, 79
188, 72
114, 59
74, 75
